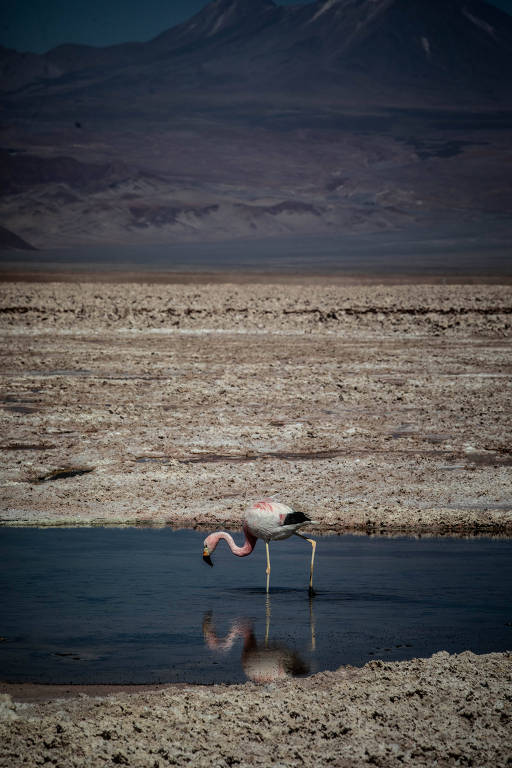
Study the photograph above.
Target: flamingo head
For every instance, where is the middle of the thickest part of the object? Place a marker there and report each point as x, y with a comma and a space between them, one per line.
206, 555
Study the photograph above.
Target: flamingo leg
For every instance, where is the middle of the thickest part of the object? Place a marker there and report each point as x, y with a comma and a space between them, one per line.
313, 550
312, 624
267, 623
268, 566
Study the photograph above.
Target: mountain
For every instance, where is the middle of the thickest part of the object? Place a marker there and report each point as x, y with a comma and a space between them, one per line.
253, 119
10, 241
436, 51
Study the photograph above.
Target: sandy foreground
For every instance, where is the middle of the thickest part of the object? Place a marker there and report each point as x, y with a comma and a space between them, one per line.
375, 408
372, 408
443, 711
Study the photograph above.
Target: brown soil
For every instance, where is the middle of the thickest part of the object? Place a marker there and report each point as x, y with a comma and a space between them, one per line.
9, 273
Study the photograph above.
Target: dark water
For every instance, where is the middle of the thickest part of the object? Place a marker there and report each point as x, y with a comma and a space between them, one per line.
139, 605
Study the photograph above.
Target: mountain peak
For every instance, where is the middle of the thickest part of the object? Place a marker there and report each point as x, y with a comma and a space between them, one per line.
246, 5
352, 50
226, 13
216, 18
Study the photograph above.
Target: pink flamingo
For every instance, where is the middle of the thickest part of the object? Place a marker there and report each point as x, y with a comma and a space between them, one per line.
268, 520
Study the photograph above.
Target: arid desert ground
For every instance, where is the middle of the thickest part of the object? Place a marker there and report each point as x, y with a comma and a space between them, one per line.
369, 407
378, 408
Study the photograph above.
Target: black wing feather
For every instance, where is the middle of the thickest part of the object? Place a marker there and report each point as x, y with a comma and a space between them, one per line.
293, 518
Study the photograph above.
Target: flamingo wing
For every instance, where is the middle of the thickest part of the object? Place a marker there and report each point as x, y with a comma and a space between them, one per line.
296, 518
271, 520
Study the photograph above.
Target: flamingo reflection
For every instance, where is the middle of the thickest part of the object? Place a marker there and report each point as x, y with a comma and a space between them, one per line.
262, 662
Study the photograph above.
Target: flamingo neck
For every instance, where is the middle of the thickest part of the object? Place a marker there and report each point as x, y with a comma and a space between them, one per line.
248, 546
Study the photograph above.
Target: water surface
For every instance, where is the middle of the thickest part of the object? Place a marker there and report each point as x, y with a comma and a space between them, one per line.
139, 606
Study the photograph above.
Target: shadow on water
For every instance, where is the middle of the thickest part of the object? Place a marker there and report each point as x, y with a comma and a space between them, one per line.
138, 605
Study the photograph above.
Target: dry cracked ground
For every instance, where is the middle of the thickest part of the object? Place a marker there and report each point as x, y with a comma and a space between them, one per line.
374, 408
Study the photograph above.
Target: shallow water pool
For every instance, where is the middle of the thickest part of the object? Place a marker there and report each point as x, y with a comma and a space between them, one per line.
107, 605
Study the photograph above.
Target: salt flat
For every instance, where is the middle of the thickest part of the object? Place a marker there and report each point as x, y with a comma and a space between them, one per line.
373, 407
446, 710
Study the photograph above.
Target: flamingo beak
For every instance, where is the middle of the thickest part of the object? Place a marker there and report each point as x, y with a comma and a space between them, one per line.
206, 557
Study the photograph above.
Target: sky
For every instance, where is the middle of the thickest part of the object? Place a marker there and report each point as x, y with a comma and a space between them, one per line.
38, 25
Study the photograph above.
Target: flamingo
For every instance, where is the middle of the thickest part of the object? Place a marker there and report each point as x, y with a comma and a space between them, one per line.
268, 520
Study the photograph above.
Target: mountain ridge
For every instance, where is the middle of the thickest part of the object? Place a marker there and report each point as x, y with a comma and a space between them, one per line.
459, 48
257, 120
